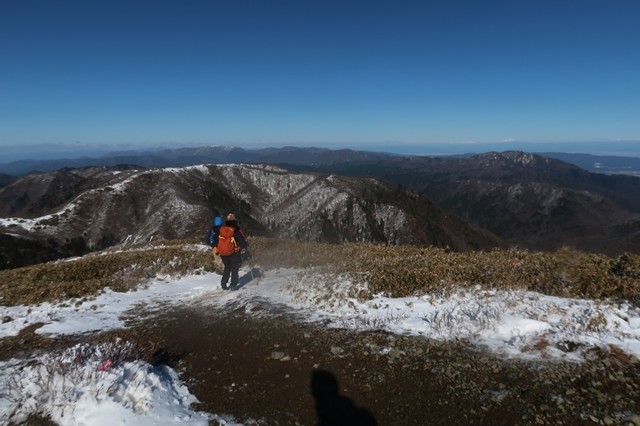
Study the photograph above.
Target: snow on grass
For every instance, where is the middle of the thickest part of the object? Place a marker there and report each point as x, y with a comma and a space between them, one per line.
78, 387
74, 393
507, 322
511, 323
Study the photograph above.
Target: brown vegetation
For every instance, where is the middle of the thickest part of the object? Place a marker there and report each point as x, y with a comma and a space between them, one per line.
407, 270
393, 270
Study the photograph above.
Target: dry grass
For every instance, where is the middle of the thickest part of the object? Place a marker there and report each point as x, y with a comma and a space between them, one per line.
540, 345
86, 276
406, 270
394, 270
620, 355
610, 353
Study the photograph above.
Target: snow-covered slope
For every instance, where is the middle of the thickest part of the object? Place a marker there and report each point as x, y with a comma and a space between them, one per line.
100, 207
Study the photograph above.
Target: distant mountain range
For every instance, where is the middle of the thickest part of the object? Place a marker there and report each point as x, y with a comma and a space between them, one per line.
72, 211
607, 164
463, 202
528, 200
286, 155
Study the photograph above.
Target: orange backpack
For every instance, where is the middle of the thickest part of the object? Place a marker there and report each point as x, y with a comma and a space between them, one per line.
227, 244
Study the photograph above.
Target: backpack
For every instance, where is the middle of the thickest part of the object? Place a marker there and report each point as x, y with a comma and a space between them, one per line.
227, 244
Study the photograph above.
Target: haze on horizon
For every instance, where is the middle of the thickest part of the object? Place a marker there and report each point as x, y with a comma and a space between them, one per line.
379, 75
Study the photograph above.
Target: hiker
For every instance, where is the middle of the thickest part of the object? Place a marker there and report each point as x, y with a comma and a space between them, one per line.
216, 223
231, 244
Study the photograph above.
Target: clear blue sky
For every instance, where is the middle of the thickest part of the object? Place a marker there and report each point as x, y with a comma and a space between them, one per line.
306, 72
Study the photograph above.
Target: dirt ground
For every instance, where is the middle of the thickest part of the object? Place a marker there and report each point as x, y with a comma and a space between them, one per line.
279, 371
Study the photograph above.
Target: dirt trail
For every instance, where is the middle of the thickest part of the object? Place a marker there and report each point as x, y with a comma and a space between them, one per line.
262, 369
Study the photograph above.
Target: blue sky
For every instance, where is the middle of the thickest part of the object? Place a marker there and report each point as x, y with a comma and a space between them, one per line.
332, 73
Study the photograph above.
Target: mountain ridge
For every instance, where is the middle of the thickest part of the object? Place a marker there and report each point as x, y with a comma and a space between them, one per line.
527, 200
218, 154
99, 207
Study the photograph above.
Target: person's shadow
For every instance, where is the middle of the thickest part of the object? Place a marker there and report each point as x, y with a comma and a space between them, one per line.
334, 409
252, 274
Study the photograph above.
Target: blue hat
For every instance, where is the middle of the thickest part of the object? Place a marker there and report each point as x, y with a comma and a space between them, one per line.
217, 221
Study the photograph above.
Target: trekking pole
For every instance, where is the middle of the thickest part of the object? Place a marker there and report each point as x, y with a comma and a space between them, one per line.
249, 263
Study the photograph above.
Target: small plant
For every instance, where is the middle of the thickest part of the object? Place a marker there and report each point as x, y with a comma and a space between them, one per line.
56, 380
465, 319
541, 344
620, 355
119, 351
597, 323
624, 266
377, 322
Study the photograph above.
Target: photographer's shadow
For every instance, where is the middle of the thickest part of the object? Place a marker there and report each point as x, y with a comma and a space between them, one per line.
334, 409
249, 276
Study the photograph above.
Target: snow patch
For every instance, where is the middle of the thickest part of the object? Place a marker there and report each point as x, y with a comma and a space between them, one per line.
511, 323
